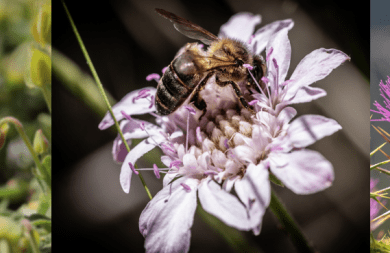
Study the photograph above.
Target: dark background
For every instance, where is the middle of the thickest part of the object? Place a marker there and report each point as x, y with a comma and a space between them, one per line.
127, 41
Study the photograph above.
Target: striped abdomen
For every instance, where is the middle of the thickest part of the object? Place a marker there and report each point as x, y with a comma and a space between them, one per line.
177, 83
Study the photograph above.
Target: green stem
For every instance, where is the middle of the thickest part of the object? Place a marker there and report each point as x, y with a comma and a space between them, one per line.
381, 216
33, 243
19, 128
375, 166
236, 239
47, 95
297, 237
374, 151
383, 190
101, 89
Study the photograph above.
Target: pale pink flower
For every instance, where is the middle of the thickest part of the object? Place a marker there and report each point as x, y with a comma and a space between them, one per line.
230, 147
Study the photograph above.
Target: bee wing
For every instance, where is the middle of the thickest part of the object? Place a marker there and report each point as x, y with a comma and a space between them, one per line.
188, 28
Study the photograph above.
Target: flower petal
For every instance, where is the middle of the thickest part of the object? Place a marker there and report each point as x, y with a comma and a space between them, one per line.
263, 35
119, 151
244, 154
223, 205
308, 129
129, 106
307, 94
307, 172
287, 114
240, 26
281, 52
219, 158
189, 160
254, 190
125, 176
166, 160
167, 219
315, 66
169, 177
132, 129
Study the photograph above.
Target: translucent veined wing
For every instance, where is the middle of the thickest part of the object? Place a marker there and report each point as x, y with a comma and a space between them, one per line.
188, 28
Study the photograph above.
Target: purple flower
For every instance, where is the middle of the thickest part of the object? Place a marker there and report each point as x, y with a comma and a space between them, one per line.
231, 147
385, 93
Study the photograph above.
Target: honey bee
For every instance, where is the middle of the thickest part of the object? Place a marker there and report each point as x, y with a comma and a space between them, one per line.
190, 71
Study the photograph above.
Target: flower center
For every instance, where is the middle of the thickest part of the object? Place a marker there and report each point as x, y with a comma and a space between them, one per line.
225, 141
225, 131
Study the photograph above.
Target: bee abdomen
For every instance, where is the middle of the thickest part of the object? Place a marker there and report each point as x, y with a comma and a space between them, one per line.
171, 93
185, 68
173, 83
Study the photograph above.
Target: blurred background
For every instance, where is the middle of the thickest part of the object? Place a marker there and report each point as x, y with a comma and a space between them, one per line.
379, 70
126, 41
25, 75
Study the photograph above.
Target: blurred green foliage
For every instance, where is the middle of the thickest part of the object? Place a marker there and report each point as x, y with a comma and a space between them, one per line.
25, 85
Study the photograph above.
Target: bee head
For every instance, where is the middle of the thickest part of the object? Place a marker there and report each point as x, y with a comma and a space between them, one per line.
231, 51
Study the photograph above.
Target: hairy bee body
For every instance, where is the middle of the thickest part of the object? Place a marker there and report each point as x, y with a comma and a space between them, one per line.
190, 71
177, 83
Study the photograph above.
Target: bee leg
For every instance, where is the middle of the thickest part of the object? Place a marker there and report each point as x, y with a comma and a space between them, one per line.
237, 91
199, 103
197, 98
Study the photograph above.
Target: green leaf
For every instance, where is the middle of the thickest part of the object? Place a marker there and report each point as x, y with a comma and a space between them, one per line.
39, 73
39, 220
44, 204
37, 216
275, 180
41, 28
46, 224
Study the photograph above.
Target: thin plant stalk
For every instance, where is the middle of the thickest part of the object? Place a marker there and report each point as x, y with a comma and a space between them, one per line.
379, 164
297, 237
101, 89
19, 127
375, 150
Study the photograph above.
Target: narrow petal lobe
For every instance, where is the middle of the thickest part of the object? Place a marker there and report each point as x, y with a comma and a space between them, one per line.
240, 26
223, 205
308, 129
307, 172
167, 219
